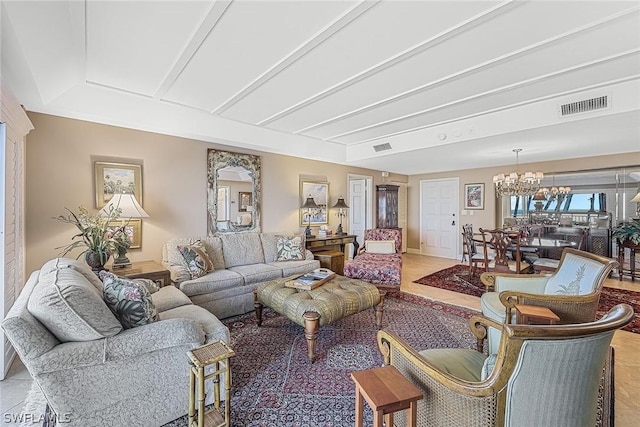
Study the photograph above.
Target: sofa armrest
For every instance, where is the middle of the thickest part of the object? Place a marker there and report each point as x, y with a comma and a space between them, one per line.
308, 255
129, 344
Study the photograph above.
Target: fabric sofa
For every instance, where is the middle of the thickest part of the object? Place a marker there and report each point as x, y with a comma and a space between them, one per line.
379, 260
240, 263
93, 372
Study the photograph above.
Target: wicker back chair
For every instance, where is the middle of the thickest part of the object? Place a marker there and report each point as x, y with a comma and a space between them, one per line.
572, 292
541, 375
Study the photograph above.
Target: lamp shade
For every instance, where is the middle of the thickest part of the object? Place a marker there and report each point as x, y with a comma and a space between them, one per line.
310, 203
539, 196
636, 198
340, 203
128, 204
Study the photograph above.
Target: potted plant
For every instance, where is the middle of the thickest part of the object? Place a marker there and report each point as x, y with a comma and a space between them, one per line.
98, 239
627, 233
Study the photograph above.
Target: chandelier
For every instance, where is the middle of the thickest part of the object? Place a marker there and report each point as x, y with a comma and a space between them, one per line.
516, 183
554, 191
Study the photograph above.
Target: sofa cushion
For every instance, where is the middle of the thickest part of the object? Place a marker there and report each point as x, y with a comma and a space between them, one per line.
290, 248
463, 363
256, 273
67, 304
173, 260
131, 302
215, 281
213, 328
241, 249
196, 258
169, 297
380, 246
77, 265
289, 268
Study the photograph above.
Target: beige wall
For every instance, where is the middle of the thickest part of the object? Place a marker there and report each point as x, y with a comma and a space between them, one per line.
59, 173
487, 218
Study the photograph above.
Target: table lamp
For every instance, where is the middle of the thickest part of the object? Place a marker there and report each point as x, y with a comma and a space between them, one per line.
539, 197
130, 208
308, 205
340, 204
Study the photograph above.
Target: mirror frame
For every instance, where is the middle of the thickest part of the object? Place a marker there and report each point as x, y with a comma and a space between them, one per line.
218, 159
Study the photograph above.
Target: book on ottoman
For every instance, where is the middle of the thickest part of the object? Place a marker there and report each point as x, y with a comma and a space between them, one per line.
311, 280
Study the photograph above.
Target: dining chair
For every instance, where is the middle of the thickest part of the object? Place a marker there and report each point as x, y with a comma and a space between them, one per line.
541, 264
504, 242
470, 251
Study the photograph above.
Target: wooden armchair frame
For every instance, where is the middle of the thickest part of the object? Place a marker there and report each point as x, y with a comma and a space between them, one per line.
570, 308
450, 401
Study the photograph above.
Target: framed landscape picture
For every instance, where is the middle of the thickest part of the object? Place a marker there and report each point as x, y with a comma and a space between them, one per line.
113, 178
319, 191
474, 196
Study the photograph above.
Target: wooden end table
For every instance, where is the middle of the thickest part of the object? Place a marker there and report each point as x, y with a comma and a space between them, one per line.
333, 260
386, 391
145, 270
528, 314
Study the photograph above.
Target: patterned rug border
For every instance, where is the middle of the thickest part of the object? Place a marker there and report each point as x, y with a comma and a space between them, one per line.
456, 279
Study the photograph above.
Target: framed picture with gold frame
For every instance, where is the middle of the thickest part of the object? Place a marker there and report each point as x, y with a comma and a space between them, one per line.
319, 190
133, 229
113, 178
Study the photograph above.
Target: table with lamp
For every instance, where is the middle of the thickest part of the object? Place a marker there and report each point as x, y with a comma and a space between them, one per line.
122, 266
330, 250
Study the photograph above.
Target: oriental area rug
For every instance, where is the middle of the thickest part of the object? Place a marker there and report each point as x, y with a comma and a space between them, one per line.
457, 279
275, 386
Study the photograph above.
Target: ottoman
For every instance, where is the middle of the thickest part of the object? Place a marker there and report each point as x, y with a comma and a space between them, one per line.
338, 298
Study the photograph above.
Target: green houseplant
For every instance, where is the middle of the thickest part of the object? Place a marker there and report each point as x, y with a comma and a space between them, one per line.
628, 232
98, 239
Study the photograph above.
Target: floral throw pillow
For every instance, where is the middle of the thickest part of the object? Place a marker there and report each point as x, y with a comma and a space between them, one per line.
290, 248
129, 301
197, 260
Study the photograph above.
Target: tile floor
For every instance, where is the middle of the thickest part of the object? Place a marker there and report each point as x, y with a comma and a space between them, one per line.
14, 388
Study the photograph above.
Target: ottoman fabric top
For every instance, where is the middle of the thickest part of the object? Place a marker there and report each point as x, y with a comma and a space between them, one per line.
334, 300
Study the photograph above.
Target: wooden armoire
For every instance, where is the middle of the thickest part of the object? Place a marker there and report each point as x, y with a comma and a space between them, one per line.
387, 200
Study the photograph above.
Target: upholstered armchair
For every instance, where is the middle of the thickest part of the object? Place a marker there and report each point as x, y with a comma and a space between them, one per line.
379, 259
526, 383
572, 292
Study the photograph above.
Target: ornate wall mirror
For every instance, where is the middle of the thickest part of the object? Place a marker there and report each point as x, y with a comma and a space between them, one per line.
230, 176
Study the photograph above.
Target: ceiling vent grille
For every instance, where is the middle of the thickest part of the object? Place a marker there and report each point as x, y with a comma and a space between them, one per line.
598, 103
382, 147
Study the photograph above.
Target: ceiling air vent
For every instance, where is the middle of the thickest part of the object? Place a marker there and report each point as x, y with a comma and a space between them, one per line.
382, 147
598, 103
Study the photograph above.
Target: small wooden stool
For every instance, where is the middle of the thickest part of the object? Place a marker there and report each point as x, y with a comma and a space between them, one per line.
527, 314
387, 391
217, 353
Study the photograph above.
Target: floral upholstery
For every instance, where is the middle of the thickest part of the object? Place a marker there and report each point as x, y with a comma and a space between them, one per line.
379, 269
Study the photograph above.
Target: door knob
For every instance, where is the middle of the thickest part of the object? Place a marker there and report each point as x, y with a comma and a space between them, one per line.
453, 222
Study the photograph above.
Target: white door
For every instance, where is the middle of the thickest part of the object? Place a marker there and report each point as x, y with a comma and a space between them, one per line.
439, 217
359, 208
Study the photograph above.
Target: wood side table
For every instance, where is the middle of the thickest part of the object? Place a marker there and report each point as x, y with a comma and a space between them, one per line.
333, 260
145, 270
315, 243
386, 391
529, 314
